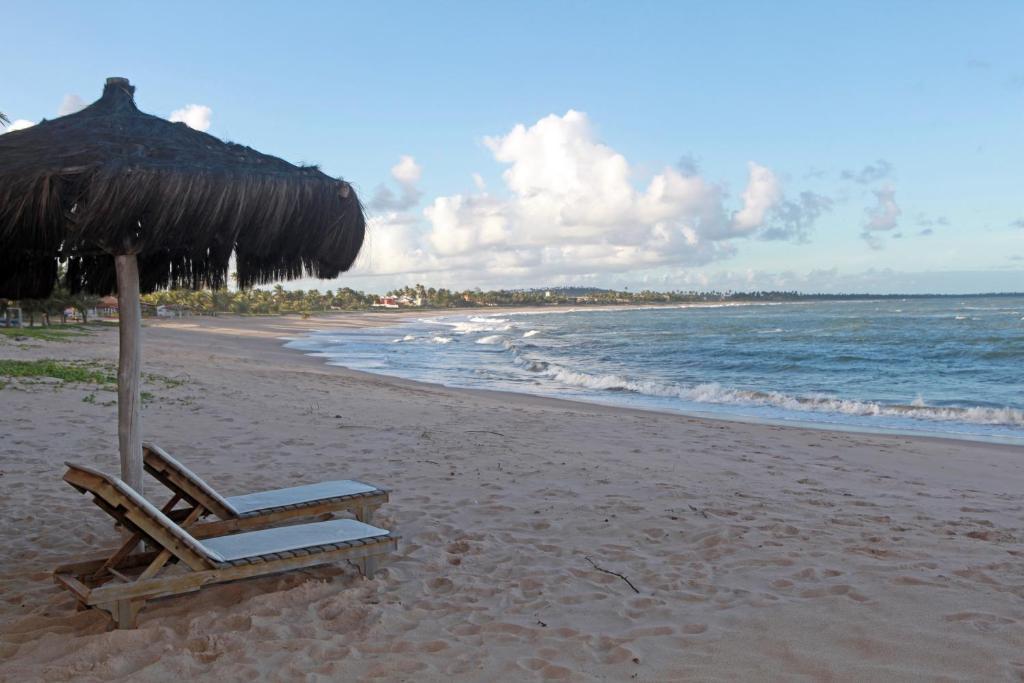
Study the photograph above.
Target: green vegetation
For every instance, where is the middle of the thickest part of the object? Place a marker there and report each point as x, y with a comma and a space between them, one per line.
55, 306
66, 371
82, 372
279, 300
168, 382
260, 301
62, 333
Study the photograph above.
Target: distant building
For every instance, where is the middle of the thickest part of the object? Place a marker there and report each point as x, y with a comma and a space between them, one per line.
107, 307
386, 302
406, 300
172, 311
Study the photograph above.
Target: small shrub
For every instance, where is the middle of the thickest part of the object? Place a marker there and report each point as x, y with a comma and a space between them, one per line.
62, 333
62, 370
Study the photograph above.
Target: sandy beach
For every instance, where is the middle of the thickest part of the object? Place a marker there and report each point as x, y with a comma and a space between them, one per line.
757, 552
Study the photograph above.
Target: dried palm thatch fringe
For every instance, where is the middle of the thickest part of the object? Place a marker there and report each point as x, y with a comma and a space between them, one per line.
113, 180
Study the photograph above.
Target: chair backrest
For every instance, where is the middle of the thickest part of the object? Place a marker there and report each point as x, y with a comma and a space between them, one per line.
139, 515
185, 482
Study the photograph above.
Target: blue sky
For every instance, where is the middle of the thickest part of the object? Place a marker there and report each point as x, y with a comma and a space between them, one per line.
727, 145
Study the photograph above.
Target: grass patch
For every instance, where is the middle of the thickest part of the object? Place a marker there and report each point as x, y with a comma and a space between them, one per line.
52, 333
62, 370
168, 382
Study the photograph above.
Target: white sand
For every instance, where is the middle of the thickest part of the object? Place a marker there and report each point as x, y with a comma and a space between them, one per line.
759, 552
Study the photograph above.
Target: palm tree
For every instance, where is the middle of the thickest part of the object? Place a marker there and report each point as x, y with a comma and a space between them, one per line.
3, 119
280, 296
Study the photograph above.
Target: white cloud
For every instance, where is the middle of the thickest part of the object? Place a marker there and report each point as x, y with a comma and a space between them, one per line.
570, 207
406, 173
882, 217
195, 116
18, 124
885, 215
71, 104
793, 219
762, 193
390, 246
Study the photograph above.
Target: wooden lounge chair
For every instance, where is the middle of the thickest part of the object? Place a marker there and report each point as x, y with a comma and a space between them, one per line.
263, 508
121, 583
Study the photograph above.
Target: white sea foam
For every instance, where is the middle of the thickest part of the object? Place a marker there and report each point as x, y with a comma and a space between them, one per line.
713, 392
565, 368
474, 326
490, 339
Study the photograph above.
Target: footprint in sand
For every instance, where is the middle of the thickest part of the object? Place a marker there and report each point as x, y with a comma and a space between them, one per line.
547, 670
440, 586
458, 547
981, 621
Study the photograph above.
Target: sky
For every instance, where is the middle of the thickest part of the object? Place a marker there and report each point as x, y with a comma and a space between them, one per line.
832, 147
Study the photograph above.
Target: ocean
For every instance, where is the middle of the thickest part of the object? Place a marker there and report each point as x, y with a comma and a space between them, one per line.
941, 366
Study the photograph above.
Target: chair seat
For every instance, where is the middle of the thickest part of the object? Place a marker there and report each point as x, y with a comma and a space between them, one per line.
297, 495
282, 539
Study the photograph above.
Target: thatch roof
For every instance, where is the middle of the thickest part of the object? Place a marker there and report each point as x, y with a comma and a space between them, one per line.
112, 180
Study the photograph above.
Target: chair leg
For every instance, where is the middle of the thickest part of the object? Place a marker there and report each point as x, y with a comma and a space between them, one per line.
126, 613
364, 514
368, 566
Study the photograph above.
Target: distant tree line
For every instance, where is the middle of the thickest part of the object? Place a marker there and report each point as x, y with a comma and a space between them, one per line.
277, 299
261, 301
55, 306
281, 300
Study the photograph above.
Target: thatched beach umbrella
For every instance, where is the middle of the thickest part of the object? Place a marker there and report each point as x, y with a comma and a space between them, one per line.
134, 202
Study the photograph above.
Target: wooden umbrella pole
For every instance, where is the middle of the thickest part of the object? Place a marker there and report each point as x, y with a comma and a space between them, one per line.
129, 368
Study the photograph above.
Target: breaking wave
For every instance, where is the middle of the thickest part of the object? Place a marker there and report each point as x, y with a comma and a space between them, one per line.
491, 339
713, 392
932, 367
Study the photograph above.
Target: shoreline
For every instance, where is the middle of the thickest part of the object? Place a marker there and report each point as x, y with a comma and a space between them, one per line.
378, 320
756, 550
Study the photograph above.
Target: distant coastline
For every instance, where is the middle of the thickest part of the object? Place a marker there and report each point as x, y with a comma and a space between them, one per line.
421, 298
280, 301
